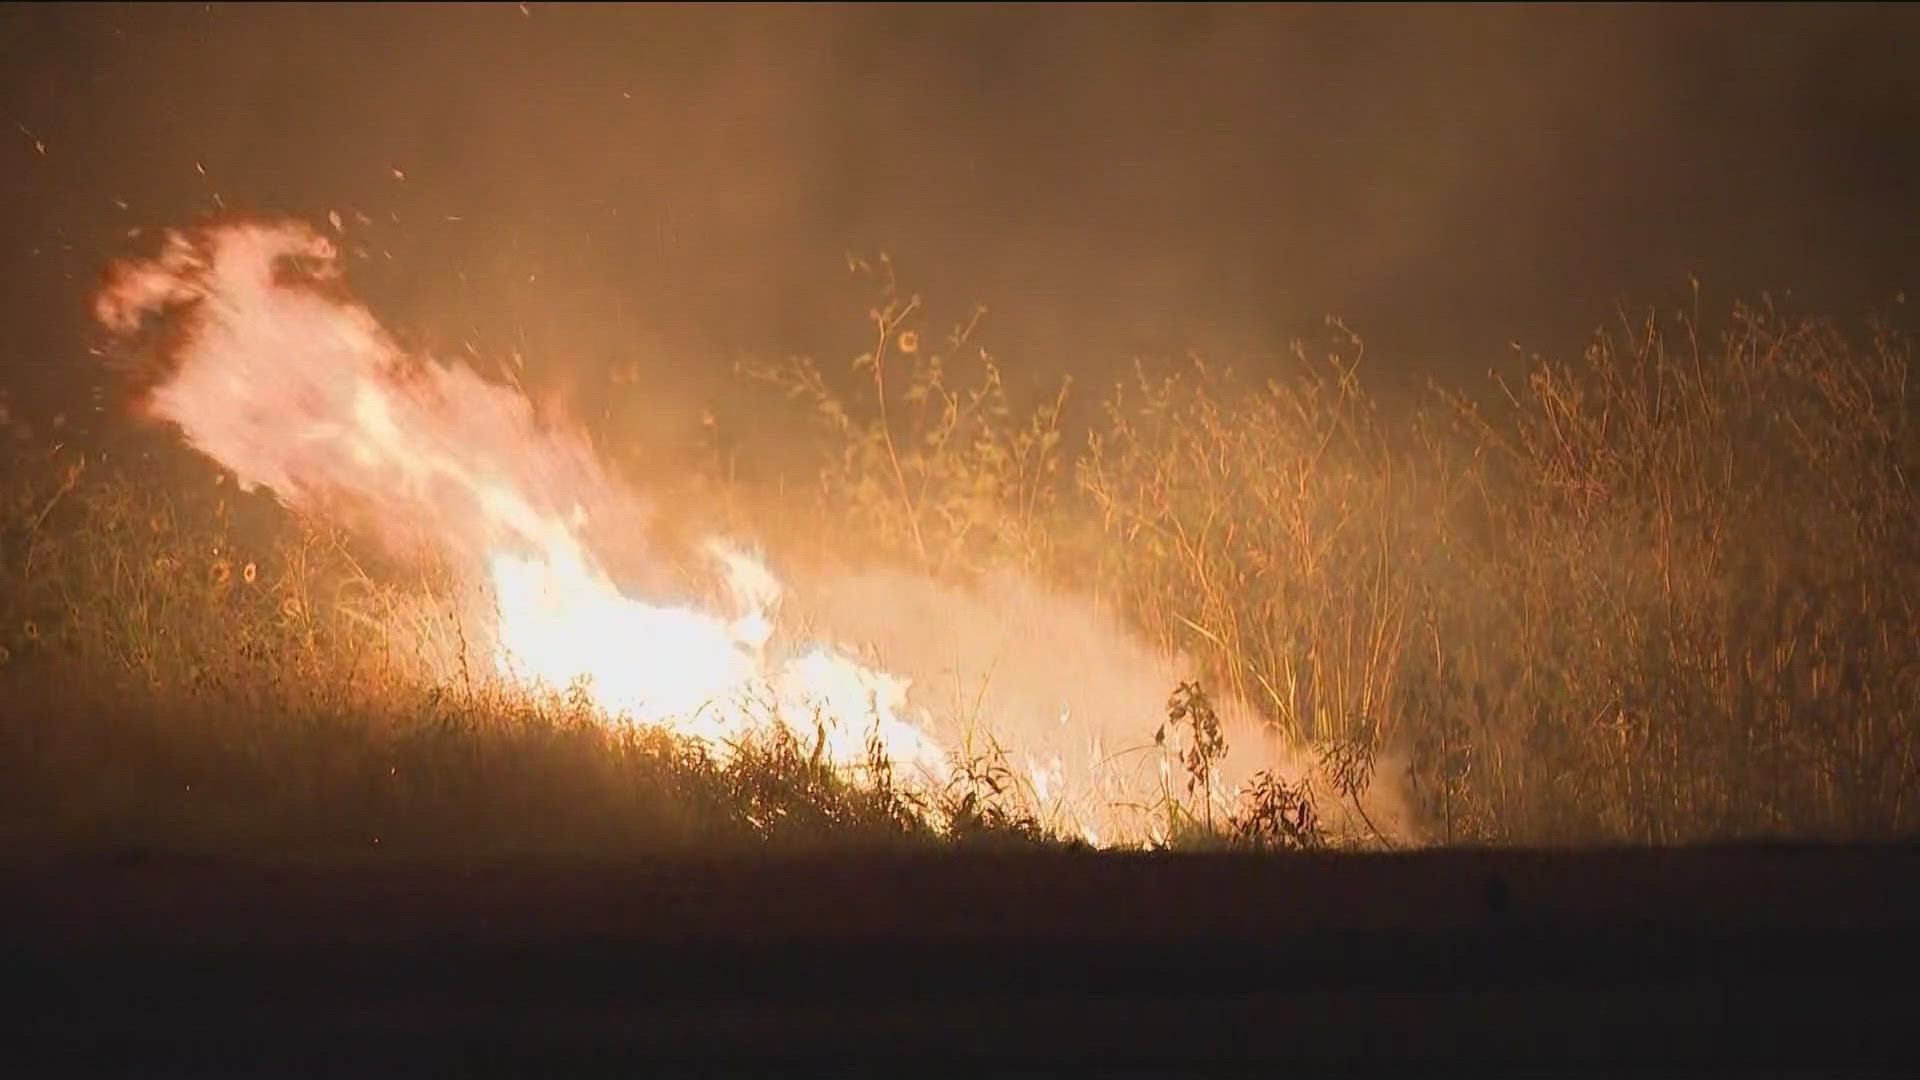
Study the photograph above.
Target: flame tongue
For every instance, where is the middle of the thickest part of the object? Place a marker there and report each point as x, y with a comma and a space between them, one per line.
301, 391
306, 394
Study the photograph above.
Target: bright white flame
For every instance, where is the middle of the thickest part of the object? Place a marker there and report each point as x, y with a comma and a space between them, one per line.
563, 624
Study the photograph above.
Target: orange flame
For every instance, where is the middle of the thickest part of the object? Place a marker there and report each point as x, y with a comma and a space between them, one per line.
301, 391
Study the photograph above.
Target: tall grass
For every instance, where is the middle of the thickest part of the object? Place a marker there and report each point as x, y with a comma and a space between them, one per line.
1689, 609
1662, 593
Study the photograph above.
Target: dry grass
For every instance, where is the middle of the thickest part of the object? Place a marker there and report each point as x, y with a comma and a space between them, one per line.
187, 669
1664, 594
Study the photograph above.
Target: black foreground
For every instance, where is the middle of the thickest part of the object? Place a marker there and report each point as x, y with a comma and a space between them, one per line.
1756, 956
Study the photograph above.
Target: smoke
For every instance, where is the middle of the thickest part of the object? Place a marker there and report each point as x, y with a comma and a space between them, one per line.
1073, 697
584, 179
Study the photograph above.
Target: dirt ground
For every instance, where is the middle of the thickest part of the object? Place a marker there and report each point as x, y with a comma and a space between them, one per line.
1760, 955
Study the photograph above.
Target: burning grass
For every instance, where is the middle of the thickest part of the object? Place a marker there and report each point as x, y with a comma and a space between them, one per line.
182, 678
1662, 595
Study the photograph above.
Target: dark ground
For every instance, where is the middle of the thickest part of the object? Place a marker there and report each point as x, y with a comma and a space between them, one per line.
1754, 956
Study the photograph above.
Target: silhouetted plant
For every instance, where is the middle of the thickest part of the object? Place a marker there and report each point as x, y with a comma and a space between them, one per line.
1278, 815
1205, 745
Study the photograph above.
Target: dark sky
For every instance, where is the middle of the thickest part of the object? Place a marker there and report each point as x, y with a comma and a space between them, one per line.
671, 184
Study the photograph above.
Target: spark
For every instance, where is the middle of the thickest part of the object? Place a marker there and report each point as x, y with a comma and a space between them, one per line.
39, 144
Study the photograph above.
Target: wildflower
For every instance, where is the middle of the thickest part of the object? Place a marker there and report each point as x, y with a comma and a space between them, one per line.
909, 341
247, 575
32, 630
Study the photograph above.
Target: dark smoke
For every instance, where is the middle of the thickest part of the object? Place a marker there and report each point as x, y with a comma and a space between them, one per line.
596, 184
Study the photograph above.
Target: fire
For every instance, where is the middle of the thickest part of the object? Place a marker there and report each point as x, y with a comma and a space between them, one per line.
272, 370
698, 674
298, 390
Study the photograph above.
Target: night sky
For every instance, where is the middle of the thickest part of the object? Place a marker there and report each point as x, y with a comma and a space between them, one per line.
675, 185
